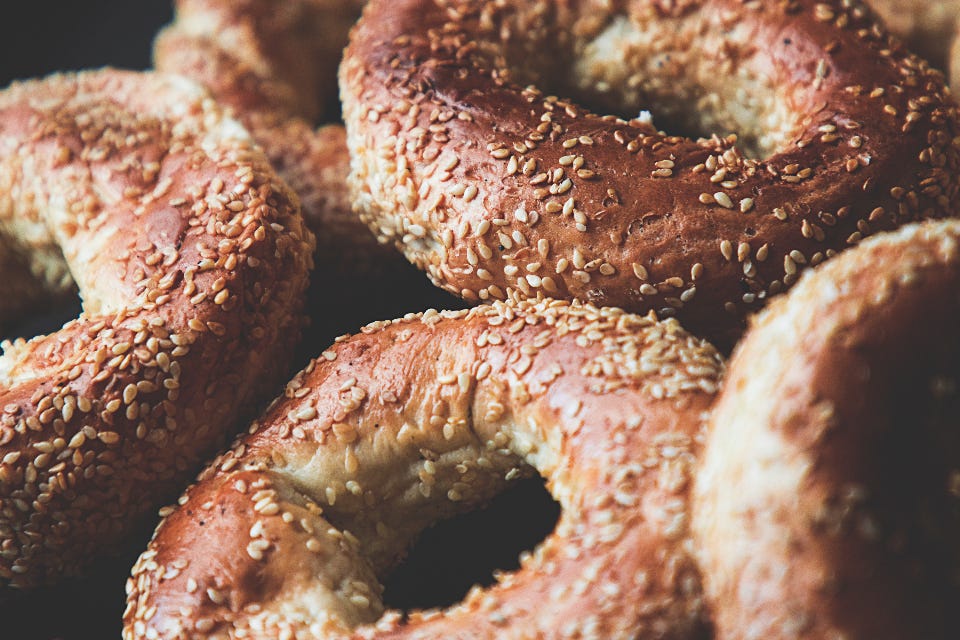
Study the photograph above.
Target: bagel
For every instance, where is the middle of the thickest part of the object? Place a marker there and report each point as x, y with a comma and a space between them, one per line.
498, 189
428, 416
191, 259
827, 501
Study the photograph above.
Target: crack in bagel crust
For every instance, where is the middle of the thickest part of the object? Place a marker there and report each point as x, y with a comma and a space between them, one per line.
827, 504
191, 259
497, 189
413, 420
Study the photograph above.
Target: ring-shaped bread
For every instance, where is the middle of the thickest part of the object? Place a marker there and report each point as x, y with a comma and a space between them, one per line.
495, 187
827, 503
191, 259
287, 534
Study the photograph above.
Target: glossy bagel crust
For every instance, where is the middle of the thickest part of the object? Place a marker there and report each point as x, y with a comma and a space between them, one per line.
418, 419
191, 259
462, 157
827, 504
274, 63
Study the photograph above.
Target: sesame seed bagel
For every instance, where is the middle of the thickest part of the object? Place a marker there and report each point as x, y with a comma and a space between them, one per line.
414, 420
827, 504
191, 259
274, 63
496, 188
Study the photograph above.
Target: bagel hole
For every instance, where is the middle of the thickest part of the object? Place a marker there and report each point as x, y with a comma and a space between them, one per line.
919, 457
43, 321
629, 68
469, 549
38, 296
647, 68
895, 469
37, 308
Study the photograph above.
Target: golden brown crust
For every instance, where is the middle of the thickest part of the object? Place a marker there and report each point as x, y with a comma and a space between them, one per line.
498, 190
827, 502
191, 258
242, 51
428, 416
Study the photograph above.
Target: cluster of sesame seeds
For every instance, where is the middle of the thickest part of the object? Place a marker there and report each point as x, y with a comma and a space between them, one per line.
561, 202
183, 281
487, 395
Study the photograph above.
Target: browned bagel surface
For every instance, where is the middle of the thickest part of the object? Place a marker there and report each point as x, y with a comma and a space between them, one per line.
261, 55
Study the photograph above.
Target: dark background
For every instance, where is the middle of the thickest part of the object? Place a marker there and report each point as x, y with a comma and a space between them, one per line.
47, 36
43, 36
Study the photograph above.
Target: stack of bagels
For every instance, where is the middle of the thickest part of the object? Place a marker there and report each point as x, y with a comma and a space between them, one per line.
699, 266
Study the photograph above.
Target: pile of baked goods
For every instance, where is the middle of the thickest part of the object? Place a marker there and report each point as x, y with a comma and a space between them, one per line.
778, 185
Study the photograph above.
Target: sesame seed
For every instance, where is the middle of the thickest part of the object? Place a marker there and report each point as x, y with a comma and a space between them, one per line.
723, 200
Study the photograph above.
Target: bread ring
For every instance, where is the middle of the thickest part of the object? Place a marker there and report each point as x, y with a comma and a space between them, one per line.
191, 259
828, 500
497, 190
274, 62
426, 417
929, 27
